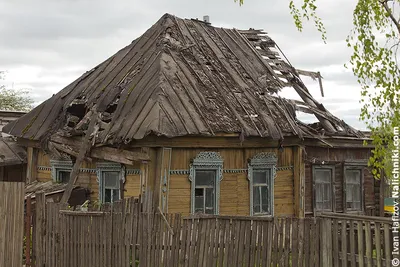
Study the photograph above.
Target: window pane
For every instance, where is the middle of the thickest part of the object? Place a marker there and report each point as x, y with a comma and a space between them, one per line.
115, 196
63, 176
107, 195
205, 178
256, 199
199, 200
353, 176
264, 199
323, 175
260, 177
209, 200
111, 179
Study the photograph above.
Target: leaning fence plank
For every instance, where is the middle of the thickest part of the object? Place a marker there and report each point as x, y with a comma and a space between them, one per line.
335, 238
368, 243
318, 242
344, 243
227, 240
301, 242
281, 245
378, 244
352, 245
211, 253
360, 244
288, 226
222, 249
306, 242
253, 244
295, 240
275, 242
232, 237
387, 244
241, 242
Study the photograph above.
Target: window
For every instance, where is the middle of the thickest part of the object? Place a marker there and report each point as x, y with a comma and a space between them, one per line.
63, 176
205, 175
110, 176
353, 185
61, 170
204, 192
261, 174
323, 189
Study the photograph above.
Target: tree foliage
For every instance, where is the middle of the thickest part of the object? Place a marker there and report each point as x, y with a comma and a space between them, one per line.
14, 99
375, 40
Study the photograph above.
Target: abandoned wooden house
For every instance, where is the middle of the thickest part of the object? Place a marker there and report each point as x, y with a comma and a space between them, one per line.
193, 113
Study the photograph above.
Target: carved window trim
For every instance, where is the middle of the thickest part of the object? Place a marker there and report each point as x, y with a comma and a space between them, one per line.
262, 161
206, 161
57, 166
102, 167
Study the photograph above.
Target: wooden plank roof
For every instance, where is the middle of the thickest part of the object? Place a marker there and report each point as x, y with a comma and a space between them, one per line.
183, 77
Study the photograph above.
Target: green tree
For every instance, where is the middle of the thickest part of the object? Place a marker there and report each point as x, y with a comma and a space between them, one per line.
14, 99
375, 40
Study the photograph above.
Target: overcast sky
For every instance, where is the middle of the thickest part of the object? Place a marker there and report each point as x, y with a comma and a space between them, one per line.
46, 44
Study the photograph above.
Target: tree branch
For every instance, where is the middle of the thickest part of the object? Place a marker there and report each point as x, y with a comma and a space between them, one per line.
389, 11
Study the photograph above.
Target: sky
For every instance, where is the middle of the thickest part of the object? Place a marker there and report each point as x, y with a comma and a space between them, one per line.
47, 44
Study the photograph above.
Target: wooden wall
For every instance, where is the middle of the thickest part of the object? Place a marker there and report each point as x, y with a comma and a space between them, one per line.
87, 179
234, 187
336, 157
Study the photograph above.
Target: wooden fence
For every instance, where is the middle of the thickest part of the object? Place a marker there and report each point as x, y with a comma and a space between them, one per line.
11, 223
126, 235
352, 240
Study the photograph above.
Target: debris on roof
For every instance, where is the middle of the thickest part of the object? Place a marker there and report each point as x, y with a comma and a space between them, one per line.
184, 77
10, 152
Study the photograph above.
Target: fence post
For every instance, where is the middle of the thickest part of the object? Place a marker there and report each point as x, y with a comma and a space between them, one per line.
326, 239
40, 230
28, 218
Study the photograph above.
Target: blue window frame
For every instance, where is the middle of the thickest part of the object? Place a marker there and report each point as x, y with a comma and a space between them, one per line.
60, 170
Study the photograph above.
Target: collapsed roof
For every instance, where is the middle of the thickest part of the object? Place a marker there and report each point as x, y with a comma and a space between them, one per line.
184, 77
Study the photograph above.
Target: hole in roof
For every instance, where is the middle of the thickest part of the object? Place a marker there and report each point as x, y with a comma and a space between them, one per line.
77, 109
306, 117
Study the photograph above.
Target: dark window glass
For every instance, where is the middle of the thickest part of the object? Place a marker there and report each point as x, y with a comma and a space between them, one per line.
63, 176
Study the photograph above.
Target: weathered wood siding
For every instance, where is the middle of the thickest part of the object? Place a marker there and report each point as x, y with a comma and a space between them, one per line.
336, 157
88, 179
234, 187
11, 223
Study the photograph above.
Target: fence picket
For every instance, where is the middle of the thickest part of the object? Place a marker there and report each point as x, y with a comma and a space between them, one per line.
111, 238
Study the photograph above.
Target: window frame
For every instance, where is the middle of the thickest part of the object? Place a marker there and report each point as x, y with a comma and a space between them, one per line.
332, 183
206, 161
109, 167
262, 162
57, 166
358, 167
